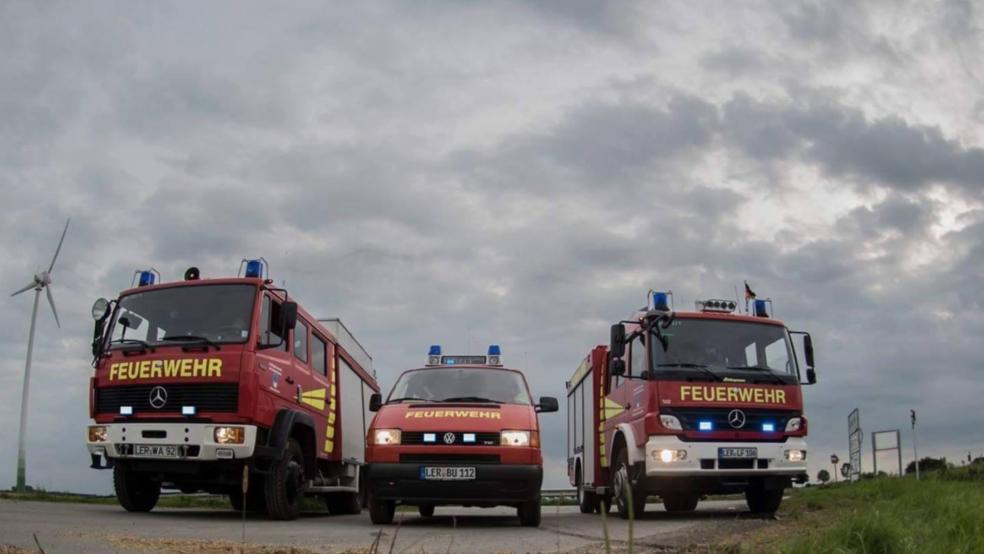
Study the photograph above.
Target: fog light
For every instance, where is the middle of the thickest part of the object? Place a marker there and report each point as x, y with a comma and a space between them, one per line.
230, 435
666, 455
796, 455
97, 433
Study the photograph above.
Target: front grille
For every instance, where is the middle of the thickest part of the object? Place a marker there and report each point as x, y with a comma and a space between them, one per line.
709, 463
439, 458
458, 438
754, 418
211, 397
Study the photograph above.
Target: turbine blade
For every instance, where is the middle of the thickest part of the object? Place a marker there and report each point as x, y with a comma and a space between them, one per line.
57, 250
25, 289
51, 300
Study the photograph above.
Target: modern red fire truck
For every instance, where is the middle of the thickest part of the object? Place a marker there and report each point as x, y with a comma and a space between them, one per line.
197, 379
462, 430
687, 404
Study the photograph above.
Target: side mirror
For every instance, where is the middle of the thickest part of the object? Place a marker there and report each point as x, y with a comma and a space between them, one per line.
616, 367
811, 376
100, 312
547, 404
289, 315
618, 340
808, 351
375, 402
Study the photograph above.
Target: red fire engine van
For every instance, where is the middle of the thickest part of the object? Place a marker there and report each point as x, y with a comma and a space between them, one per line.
461, 431
196, 379
686, 404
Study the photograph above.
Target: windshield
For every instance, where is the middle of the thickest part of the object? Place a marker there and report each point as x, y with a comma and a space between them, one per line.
496, 385
724, 344
217, 313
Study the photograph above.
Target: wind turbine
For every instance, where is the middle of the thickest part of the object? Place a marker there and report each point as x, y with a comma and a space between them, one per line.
42, 281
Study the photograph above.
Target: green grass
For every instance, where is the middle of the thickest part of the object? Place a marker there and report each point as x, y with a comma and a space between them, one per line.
941, 513
311, 504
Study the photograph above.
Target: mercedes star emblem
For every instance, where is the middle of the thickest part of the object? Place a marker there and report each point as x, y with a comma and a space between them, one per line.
448, 438
158, 397
736, 418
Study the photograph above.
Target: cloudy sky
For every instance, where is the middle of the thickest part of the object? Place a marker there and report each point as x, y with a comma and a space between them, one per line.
508, 172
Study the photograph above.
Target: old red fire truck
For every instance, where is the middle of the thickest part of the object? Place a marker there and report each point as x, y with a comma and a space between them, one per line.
684, 404
197, 379
461, 431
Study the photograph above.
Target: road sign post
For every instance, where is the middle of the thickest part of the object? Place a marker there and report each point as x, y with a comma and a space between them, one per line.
833, 461
854, 436
915, 451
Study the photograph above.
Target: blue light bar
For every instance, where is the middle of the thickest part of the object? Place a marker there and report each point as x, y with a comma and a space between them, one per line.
468, 437
188, 410
705, 425
768, 427
254, 268
661, 301
435, 350
146, 278
760, 308
430, 437
126, 410
494, 350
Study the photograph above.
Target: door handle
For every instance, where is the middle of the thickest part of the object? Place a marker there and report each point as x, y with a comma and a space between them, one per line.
290, 380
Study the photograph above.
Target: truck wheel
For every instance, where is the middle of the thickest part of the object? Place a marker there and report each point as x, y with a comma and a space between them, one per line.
381, 512
529, 513
343, 503
621, 485
587, 501
136, 492
680, 502
284, 486
426, 510
763, 501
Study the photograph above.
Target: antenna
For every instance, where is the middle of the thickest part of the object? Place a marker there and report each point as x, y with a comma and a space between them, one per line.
42, 281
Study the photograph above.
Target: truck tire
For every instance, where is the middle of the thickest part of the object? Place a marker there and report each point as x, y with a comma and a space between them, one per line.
136, 492
426, 510
763, 501
587, 501
343, 503
381, 512
529, 513
284, 485
622, 486
680, 502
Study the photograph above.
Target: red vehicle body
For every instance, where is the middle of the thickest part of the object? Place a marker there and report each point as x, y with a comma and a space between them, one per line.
687, 404
197, 379
461, 431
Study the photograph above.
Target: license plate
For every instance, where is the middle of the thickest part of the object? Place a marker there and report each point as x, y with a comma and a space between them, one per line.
155, 450
447, 473
737, 452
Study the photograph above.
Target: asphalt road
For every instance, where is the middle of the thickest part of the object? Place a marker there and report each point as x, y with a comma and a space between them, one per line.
88, 528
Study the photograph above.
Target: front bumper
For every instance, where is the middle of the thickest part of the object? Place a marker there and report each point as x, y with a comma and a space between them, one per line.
193, 442
493, 484
702, 458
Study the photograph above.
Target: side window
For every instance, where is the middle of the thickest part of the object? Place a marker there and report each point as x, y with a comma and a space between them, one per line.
300, 341
318, 357
270, 325
637, 357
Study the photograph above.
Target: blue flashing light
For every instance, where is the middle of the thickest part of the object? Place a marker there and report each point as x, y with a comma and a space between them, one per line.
768, 427
468, 437
254, 268
760, 310
435, 350
430, 437
705, 425
494, 350
661, 301
188, 410
146, 278
126, 410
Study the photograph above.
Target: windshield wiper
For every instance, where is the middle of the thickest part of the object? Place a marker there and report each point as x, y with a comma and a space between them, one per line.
133, 341
471, 399
405, 398
701, 367
190, 338
775, 378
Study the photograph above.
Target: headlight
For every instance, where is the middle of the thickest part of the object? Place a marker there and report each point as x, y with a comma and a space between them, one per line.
666, 455
386, 436
796, 455
670, 422
230, 435
97, 433
515, 438
794, 425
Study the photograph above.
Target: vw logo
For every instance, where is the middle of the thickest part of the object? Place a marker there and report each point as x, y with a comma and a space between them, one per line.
736, 419
448, 438
158, 397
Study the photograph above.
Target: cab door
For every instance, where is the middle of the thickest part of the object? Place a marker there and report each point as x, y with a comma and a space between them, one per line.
275, 375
